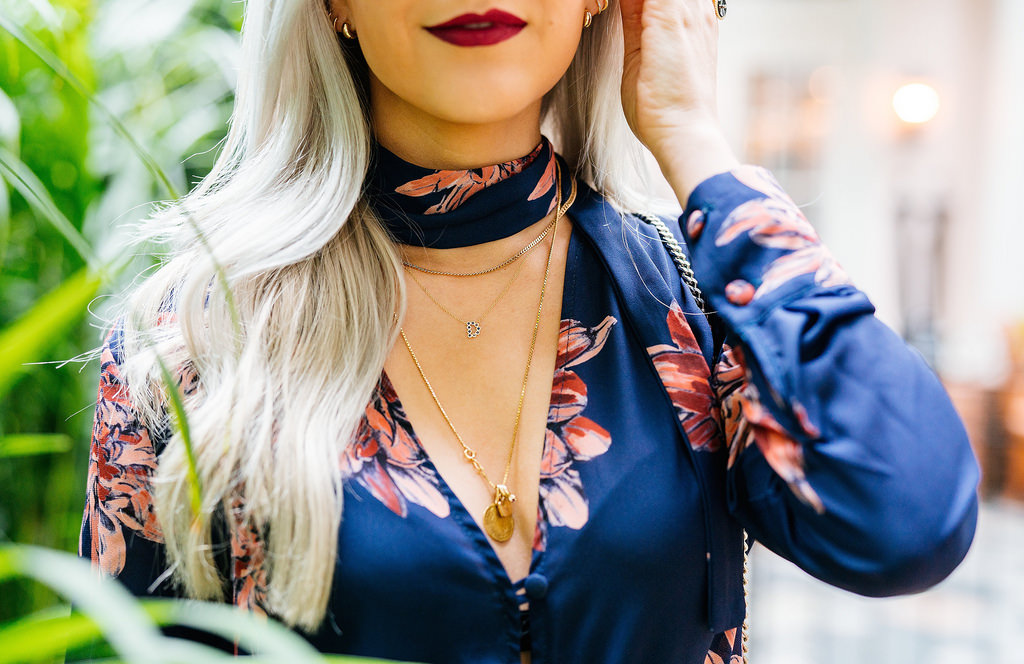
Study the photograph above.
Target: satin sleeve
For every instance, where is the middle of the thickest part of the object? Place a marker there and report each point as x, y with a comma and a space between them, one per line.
846, 455
120, 532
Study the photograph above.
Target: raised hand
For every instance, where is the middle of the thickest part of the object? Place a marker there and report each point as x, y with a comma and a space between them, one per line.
669, 87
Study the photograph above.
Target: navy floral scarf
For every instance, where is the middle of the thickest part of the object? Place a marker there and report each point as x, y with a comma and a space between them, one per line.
443, 209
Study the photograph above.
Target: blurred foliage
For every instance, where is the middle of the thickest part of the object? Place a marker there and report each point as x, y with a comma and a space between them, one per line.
71, 187
106, 614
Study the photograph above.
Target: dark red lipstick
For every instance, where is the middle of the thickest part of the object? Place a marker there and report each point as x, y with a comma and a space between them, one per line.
479, 29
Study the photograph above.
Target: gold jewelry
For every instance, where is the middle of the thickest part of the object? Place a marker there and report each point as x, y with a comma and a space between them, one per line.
522, 252
721, 7
588, 18
602, 5
474, 326
499, 522
347, 31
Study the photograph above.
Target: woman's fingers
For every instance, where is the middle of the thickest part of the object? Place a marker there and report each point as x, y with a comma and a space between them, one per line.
632, 13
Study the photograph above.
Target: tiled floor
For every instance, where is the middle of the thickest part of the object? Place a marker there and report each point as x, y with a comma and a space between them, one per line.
975, 616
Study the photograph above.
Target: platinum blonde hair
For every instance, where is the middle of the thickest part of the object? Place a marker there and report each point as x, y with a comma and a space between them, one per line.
288, 360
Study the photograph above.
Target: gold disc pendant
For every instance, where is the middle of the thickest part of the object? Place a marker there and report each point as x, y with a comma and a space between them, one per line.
499, 528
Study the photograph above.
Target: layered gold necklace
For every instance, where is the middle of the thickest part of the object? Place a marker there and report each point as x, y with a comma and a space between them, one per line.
498, 519
474, 326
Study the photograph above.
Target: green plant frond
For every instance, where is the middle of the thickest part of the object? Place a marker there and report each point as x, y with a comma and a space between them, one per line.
51, 632
45, 634
32, 444
62, 71
26, 340
128, 629
25, 182
180, 423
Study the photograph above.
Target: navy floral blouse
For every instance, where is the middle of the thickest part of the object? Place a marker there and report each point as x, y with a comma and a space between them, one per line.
790, 411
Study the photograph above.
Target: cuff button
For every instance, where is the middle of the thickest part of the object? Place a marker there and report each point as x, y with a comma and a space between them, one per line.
695, 224
739, 292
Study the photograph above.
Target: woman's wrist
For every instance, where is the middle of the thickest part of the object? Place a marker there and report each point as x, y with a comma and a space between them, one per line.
691, 156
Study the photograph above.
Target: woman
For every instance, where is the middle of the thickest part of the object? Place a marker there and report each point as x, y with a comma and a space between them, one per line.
362, 307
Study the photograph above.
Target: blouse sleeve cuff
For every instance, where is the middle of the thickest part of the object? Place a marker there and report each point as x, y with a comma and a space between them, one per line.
751, 246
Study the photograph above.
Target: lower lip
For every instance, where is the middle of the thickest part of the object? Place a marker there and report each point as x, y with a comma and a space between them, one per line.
476, 37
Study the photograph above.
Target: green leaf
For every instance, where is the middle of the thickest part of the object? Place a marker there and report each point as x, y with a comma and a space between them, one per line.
180, 422
32, 444
128, 629
262, 636
46, 634
27, 339
62, 71
51, 632
25, 182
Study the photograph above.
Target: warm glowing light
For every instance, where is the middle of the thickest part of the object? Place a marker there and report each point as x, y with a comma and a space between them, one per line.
916, 103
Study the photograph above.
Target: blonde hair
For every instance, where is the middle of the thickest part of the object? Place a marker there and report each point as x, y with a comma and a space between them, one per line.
288, 361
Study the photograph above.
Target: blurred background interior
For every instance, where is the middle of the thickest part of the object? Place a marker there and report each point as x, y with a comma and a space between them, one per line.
896, 125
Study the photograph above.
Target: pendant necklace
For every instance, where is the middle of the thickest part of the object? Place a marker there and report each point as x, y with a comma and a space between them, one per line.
475, 326
498, 519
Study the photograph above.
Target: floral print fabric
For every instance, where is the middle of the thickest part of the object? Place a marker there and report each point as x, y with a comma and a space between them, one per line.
571, 437
121, 462
388, 461
775, 222
748, 423
459, 185
685, 373
443, 208
119, 502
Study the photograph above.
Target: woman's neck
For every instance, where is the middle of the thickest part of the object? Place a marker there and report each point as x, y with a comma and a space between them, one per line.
432, 142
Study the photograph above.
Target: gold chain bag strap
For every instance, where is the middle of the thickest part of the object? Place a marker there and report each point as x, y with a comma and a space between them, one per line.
690, 279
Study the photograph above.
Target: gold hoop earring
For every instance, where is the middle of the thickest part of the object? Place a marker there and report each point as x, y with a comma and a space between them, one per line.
602, 6
347, 32
587, 19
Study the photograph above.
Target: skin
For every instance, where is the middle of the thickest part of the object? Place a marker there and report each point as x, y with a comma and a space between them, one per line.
443, 106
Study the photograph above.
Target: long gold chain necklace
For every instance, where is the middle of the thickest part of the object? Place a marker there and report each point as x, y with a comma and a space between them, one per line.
508, 261
474, 326
499, 522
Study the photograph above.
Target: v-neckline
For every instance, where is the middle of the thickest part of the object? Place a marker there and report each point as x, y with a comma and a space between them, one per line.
457, 507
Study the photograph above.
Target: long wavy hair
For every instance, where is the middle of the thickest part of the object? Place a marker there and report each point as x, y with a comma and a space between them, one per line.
283, 294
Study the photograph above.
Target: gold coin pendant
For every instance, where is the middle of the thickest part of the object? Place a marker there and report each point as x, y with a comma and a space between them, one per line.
498, 528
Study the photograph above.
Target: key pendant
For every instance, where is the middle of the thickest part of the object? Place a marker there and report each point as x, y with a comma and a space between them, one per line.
498, 520
473, 329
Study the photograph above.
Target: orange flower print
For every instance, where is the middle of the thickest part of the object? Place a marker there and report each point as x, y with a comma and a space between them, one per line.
121, 463
547, 181
248, 564
388, 461
748, 422
776, 222
685, 374
463, 184
570, 437
726, 648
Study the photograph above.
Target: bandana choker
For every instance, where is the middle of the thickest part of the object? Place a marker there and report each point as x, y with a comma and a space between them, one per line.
458, 208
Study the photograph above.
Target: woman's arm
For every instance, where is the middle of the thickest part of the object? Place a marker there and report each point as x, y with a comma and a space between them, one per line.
120, 532
848, 457
819, 395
